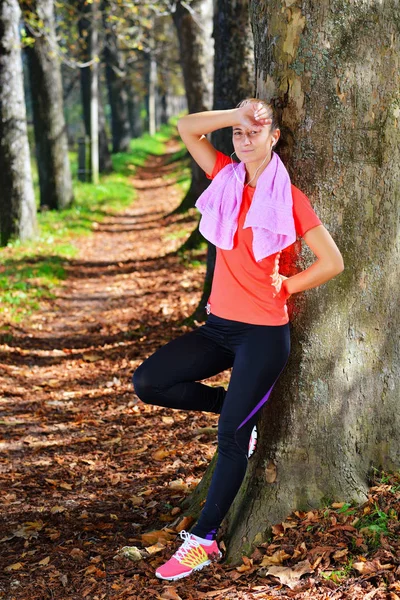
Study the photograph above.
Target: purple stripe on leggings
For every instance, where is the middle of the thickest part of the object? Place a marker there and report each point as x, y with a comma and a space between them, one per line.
262, 401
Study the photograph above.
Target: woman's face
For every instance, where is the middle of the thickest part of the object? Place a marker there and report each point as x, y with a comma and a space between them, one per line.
253, 144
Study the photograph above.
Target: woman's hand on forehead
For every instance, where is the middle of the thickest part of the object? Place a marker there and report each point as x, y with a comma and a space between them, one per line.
255, 116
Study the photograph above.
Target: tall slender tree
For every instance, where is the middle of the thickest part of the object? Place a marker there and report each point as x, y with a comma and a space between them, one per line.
85, 31
116, 83
17, 201
192, 57
47, 102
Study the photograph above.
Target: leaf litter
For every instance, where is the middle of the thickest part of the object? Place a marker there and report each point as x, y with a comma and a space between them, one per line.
92, 479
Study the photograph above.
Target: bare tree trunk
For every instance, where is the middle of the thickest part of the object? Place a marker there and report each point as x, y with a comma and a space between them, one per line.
192, 57
84, 25
17, 201
233, 81
116, 84
152, 93
48, 111
94, 94
334, 412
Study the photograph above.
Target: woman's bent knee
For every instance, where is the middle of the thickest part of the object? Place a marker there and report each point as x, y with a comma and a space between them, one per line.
144, 389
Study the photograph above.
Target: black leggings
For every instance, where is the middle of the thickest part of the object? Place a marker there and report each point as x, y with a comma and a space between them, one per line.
258, 355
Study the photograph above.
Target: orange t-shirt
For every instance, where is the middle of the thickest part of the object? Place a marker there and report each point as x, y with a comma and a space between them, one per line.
242, 288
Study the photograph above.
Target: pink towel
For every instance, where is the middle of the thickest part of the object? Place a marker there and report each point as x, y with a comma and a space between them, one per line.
270, 214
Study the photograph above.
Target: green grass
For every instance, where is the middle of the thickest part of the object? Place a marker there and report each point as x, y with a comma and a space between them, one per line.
29, 271
338, 575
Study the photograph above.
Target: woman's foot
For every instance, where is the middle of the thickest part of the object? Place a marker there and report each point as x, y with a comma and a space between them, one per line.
191, 556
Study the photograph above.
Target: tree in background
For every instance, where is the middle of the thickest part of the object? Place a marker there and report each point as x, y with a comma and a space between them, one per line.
192, 43
334, 413
116, 83
47, 103
17, 202
85, 31
233, 81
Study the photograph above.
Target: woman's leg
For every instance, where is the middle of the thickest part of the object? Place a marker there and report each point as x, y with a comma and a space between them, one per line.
260, 359
169, 376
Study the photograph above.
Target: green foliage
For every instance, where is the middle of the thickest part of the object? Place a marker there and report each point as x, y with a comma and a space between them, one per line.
340, 574
372, 525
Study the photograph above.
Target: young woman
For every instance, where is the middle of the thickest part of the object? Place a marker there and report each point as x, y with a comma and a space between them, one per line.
251, 212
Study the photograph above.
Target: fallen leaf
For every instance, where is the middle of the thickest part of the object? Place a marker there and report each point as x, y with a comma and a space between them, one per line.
169, 593
65, 486
30, 529
243, 568
152, 537
136, 500
155, 548
112, 441
340, 553
15, 567
277, 558
77, 554
184, 523
161, 454
91, 357
371, 566
45, 561
290, 575
57, 509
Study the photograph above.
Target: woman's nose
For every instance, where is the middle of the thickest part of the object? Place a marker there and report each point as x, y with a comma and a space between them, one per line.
246, 139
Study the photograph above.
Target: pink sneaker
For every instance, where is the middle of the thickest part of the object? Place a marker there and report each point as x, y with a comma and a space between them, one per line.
191, 556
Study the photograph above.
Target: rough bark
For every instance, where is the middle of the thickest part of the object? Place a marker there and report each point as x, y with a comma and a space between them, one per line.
192, 58
17, 201
233, 81
48, 111
116, 85
105, 164
333, 69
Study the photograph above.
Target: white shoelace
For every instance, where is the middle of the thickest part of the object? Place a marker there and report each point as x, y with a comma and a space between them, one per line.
188, 544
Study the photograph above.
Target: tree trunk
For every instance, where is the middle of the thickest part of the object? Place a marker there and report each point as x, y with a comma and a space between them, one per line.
17, 201
135, 118
192, 52
334, 73
94, 95
105, 164
233, 81
48, 111
116, 84
152, 93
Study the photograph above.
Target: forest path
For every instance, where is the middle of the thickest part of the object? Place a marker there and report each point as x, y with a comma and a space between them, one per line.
85, 465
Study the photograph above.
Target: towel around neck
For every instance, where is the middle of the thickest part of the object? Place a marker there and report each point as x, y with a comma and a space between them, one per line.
270, 215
